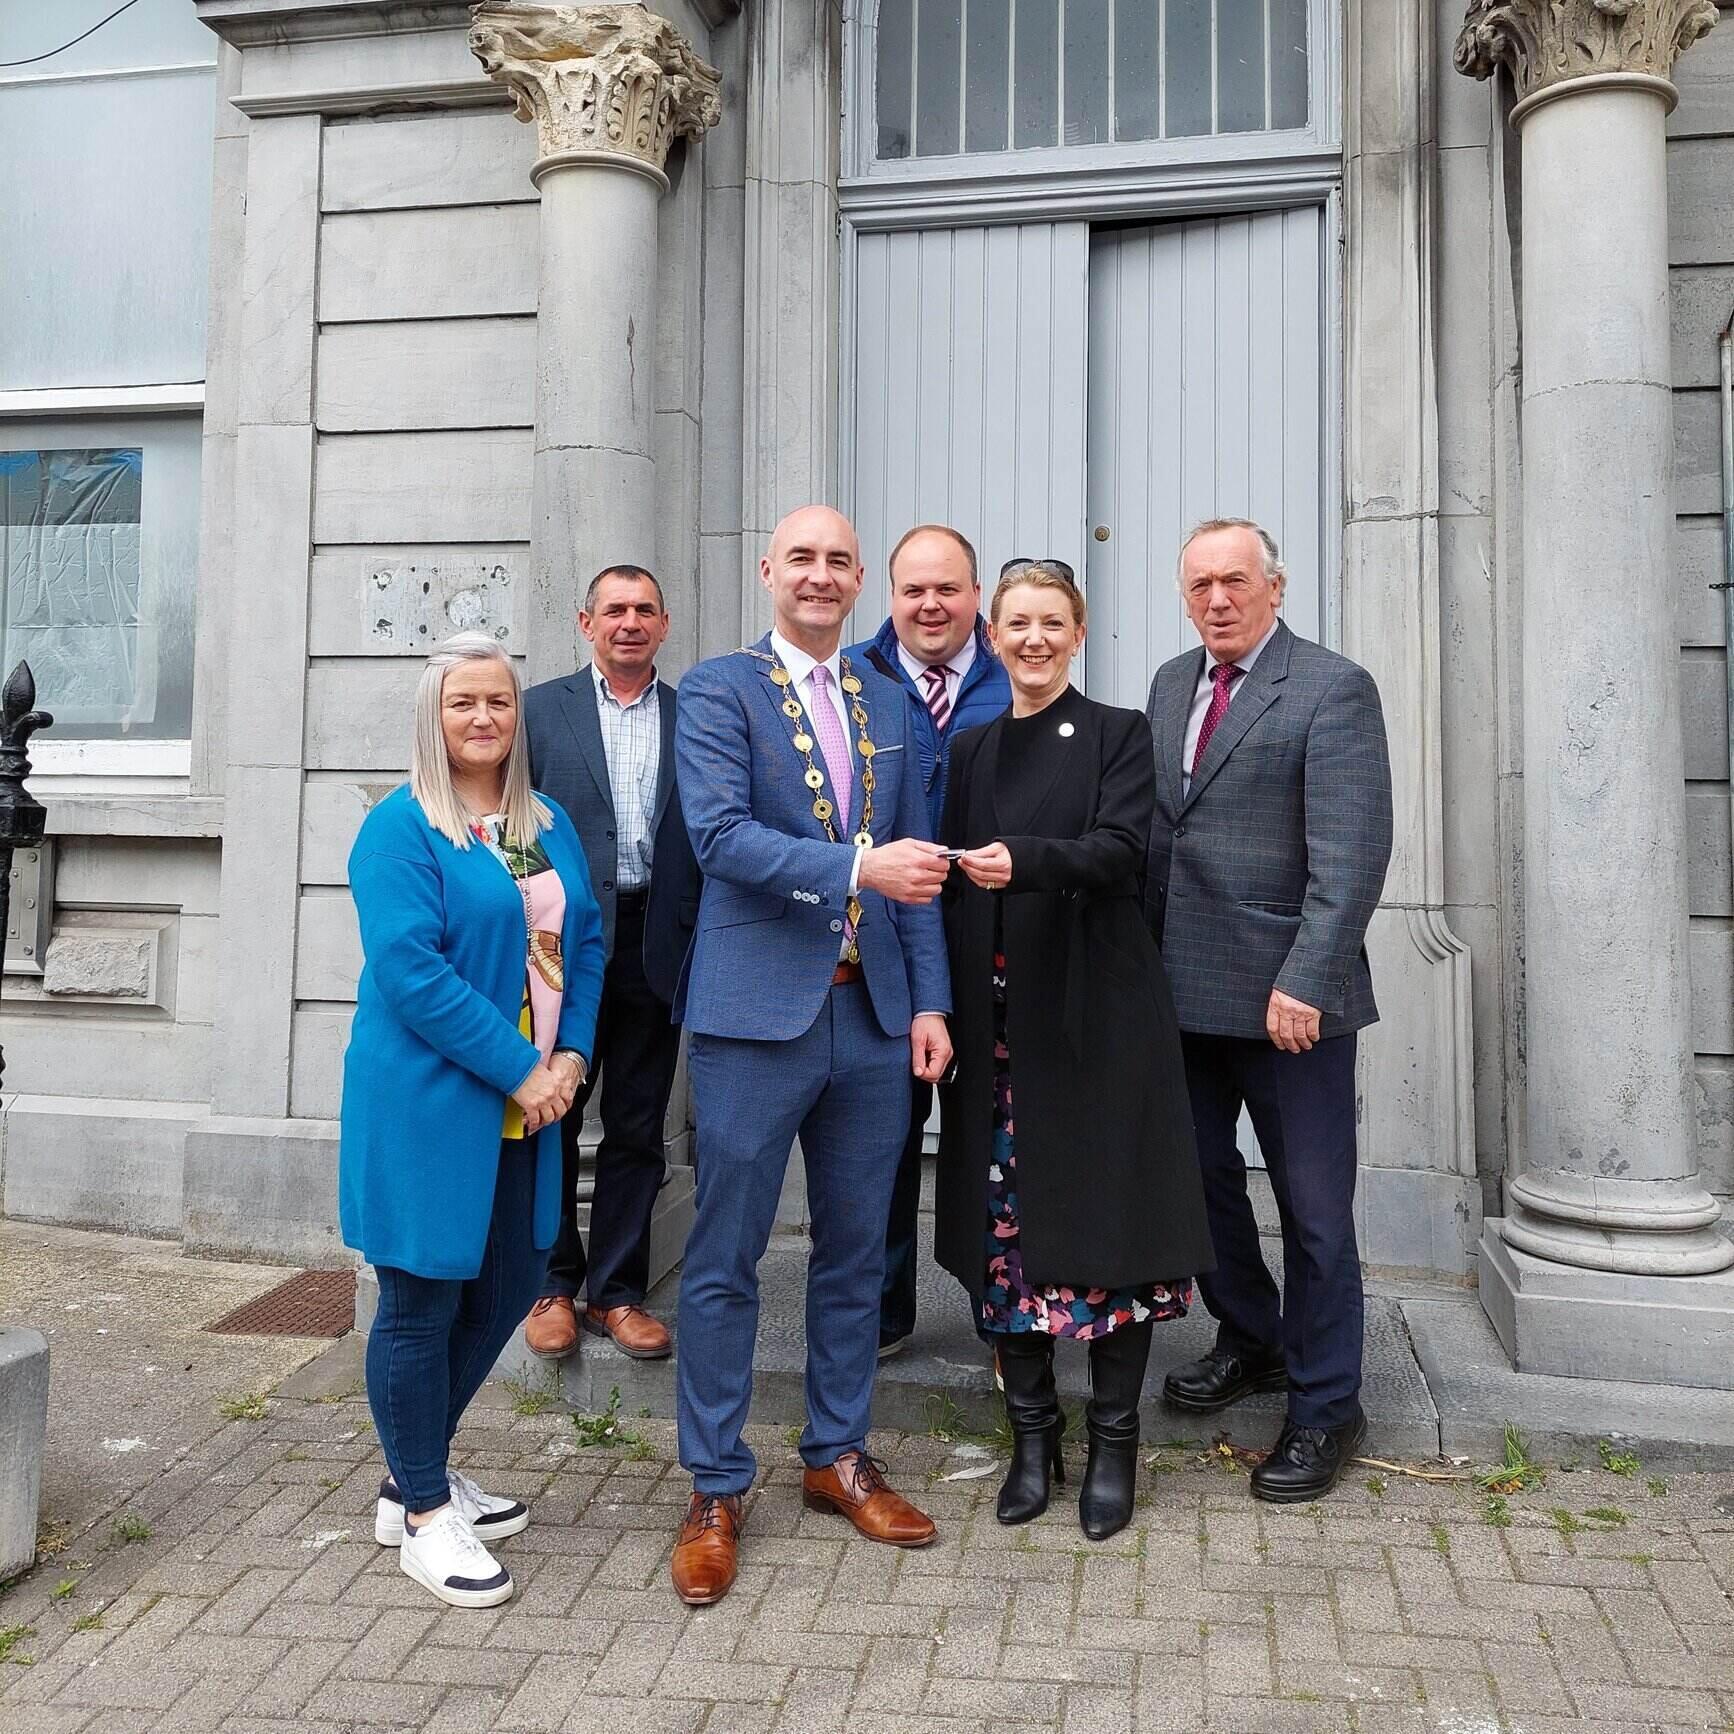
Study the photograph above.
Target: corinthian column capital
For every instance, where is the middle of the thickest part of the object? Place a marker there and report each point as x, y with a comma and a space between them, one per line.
1551, 42
612, 80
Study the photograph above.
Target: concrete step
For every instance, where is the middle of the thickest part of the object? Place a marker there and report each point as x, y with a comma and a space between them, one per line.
1437, 1380
945, 1376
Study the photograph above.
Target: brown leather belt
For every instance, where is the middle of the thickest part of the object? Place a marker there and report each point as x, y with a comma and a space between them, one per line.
845, 973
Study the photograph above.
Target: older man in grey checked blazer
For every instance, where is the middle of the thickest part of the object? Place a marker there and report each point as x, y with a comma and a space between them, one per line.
1267, 856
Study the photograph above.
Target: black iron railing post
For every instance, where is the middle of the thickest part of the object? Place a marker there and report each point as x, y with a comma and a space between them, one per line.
22, 817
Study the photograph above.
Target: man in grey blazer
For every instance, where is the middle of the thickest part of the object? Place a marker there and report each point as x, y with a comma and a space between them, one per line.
602, 745
1267, 857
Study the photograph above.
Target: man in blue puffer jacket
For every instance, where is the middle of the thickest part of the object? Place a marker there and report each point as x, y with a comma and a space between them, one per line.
935, 647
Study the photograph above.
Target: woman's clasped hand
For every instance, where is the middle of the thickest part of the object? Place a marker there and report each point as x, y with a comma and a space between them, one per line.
547, 1094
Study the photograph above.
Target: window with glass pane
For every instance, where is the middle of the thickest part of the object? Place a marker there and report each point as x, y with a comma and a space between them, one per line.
97, 566
998, 75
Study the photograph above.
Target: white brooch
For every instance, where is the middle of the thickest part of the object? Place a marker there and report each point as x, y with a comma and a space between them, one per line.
1067, 731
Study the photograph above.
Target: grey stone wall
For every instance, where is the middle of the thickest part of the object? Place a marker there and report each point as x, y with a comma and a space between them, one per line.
1700, 177
372, 387
425, 388
426, 369
110, 1048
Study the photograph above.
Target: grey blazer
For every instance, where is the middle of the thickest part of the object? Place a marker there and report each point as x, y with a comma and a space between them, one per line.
569, 765
1267, 871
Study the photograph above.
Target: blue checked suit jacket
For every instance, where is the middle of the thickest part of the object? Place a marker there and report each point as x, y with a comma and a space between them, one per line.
1267, 871
770, 921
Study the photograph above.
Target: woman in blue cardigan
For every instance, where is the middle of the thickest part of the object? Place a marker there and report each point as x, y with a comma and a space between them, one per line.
474, 1024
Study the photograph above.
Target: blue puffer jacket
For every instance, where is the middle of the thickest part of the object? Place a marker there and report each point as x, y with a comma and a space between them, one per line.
984, 694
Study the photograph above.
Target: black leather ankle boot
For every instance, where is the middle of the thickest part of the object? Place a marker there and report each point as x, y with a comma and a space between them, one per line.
1117, 1363
1026, 1369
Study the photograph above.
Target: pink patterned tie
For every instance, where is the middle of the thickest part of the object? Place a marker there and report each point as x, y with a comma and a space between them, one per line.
1223, 675
832, 743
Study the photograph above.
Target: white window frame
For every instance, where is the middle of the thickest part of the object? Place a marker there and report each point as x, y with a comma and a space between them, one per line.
1248, 152
163, 762
74, 767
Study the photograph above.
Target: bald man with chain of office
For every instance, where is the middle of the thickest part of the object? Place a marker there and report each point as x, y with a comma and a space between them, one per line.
816, 989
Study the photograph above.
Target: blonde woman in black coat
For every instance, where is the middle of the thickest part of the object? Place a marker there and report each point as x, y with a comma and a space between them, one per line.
1082, 1214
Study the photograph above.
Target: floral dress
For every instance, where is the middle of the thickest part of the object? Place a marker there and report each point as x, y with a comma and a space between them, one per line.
544, 916
1009, 1301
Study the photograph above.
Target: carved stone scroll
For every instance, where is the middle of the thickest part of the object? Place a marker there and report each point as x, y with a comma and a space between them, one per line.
1550, 42
614, 79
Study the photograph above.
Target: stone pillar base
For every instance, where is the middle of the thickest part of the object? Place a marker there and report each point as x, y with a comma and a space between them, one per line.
1591, 1324
1417, 1221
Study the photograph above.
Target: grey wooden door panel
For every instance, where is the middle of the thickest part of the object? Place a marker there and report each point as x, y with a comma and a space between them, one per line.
1206, 390
966, 403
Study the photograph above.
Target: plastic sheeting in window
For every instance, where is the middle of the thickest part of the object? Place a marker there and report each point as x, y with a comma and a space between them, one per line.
70, 562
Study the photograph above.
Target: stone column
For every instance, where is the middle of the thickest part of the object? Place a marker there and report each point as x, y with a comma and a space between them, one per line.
1605, 1262
609, 89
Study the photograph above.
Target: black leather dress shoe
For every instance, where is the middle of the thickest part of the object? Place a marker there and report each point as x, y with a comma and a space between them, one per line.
1307, 1462
1221, 1378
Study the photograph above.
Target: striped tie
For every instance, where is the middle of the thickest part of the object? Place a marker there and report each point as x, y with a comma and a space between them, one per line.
937, 701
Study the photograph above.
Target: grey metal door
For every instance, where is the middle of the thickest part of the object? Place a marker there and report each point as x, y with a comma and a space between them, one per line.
1207, 395
964, 393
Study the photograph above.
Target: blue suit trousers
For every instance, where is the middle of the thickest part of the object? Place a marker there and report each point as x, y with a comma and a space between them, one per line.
1303, 1110
843, 1088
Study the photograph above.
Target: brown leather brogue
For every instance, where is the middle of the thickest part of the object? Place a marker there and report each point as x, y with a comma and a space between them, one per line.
854, 1487
551, 1329
703, 1566
632, 1330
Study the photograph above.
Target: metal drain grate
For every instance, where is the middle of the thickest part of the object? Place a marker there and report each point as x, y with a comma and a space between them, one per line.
317, 1303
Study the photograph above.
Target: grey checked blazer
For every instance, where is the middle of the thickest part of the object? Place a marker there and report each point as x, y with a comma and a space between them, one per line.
1268, 871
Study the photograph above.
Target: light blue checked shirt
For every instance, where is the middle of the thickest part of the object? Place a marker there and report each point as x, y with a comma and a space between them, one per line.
632, 744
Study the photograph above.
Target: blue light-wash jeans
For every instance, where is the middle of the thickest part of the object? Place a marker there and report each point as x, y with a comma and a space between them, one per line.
435, 1339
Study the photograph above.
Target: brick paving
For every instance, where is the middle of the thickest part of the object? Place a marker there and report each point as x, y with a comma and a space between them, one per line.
255, 1601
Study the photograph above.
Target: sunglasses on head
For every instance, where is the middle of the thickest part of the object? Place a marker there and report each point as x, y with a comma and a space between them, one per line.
1021, 563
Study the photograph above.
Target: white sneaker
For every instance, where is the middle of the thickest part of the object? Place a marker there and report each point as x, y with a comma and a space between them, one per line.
491, 1517
445, 1557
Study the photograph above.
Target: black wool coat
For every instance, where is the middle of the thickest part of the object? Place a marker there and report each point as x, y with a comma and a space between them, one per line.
1107, 1173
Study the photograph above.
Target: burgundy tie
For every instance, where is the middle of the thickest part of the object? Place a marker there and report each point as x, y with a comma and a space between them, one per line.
937, 702
1222, 676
